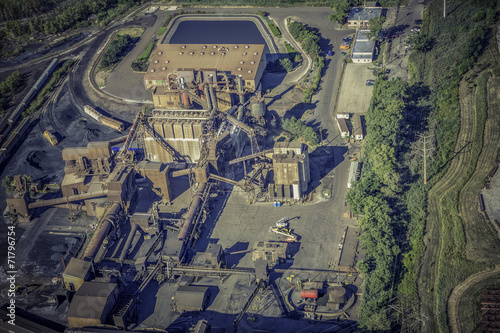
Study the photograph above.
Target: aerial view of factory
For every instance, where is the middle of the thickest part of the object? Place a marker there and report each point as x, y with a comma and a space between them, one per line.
187, 169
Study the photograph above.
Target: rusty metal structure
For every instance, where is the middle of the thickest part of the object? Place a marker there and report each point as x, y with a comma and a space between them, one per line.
490, 311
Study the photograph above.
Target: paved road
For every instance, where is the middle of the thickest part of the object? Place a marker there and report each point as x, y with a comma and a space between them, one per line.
125, 83
397, 57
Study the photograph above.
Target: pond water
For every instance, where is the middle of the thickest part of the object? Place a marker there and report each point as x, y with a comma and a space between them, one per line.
217, 32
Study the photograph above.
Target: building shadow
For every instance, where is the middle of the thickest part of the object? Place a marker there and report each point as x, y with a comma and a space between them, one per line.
299, 109
232, 260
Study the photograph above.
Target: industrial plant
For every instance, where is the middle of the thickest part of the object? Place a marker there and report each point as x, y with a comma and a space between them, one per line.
150, 201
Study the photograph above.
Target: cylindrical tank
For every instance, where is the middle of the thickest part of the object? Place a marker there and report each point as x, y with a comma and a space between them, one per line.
101, 233
337, 295
309, 293
188, 219
258, 110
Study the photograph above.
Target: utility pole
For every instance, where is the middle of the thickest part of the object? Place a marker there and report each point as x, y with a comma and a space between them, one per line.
425, 153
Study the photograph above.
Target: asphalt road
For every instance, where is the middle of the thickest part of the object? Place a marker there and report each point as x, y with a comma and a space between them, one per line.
397, 56
125, 83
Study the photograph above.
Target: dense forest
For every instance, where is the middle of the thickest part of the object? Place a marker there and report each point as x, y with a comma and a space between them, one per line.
391, 196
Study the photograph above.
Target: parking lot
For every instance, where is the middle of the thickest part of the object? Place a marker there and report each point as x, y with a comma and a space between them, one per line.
355, 95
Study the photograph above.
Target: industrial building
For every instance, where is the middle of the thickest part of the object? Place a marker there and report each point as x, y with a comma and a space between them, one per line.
76, 273
359, 129
359, 17
291, 171
271, 252
191, 298
205, 61
364, 48
92, 304
354, 172
177, 73
343, 128
210, 258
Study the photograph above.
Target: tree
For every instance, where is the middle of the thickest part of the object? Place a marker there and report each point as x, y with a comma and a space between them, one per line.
340, 11
295, 29
7, 183
376, 26
286, 64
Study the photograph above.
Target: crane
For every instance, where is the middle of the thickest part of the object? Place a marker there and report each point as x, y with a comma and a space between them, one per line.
284, 232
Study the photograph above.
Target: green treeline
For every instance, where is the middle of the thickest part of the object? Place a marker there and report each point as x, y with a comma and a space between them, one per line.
298, 129
141, 63
443, 52
274, 29
116, 50
47, 88
447, 50
309, 41
377, 198
257, 3
7, 87
77, 15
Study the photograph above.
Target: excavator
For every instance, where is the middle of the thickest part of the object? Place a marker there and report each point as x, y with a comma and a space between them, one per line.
283, 230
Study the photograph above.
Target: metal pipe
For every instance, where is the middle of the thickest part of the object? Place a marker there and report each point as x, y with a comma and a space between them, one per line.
207, 97
71, 206
117, 141
241, 111
214, 99
192, 211
101, 234
129, 241
227, 80
241, 93
57, 201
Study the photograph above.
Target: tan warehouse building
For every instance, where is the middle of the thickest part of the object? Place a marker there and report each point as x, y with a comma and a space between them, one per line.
176, 66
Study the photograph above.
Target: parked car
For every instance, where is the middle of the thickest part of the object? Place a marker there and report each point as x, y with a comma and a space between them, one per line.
369, 84
343, 53
344, 47
370, 81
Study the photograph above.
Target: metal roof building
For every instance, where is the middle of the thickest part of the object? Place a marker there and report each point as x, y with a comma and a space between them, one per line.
91, 304
363, 49
353, 173
191, 298
76, 273
360, 16
359, 132
343, 128
183, 60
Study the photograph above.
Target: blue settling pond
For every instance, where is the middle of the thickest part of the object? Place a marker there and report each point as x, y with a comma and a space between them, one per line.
217, 32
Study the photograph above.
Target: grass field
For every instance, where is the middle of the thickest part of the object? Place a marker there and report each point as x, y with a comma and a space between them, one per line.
132, 32
144, 56
161, 31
